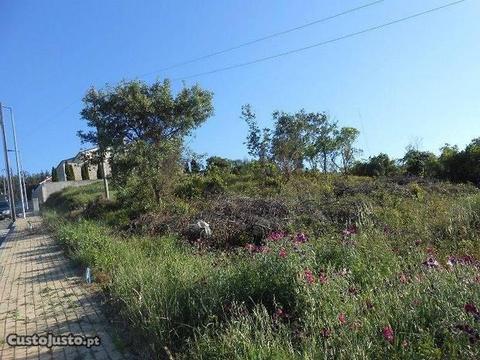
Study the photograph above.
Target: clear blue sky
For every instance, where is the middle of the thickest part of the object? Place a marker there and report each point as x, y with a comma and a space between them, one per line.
416, 80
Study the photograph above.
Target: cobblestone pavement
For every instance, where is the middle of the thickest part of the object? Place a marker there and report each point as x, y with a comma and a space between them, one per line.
41, 292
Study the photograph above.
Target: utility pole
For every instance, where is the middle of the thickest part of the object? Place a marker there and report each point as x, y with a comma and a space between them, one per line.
7, 167
19, 174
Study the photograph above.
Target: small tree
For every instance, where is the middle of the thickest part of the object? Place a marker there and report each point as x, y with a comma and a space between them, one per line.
84, 172
54, 174
69, 174
258, 142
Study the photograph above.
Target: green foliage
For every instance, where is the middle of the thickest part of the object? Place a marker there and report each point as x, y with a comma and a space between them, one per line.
144, 173
258, 142
420, 163
134, 110
54, 174
69, 174
380, 165
84, 172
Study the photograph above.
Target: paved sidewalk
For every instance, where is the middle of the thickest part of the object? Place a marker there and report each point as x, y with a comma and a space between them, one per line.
40, 292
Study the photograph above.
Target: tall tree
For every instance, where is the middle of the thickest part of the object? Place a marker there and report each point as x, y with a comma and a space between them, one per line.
54, 174
289, 140
321, 139
345, 144
258, 141
69, 174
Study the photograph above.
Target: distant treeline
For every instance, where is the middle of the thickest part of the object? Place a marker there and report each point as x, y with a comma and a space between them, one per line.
453, 164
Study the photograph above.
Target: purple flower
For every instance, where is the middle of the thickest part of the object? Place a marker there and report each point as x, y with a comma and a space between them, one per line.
431, 262
301, 238
388, 334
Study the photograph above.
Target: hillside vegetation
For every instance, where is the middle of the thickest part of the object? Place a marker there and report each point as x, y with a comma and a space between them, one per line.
310, 266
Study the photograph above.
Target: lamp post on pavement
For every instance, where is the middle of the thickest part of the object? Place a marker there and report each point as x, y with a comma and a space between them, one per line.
19, 173
7, 167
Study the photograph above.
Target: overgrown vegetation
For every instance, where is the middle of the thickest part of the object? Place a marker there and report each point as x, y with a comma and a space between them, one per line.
265, 259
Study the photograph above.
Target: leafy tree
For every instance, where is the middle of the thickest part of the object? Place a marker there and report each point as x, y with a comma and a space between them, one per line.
135, 111
380, 165
218, 163
143, 173
289, 140
69, 174
321, 140
345, 140
258, 142
420, 163
54, 174
84, 172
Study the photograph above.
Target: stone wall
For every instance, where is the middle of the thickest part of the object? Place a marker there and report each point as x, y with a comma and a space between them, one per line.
43, 191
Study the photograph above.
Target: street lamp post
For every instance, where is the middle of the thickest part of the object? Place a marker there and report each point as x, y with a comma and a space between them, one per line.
19, 174
7, 167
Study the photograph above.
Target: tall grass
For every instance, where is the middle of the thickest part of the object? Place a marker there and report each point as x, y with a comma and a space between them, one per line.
365, 293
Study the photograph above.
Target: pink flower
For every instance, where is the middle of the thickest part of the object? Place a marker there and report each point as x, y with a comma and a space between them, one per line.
342, 319
388, 334
403, 279
309, 276
251, 247
276, 235
282, 253
349, 231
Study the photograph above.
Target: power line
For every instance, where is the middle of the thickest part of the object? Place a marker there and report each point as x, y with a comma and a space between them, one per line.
251, 42
343, 37
331, 17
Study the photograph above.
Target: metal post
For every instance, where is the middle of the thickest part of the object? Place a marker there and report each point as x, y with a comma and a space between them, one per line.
4, 186
105, 181
18, 162
7, 167
24, 188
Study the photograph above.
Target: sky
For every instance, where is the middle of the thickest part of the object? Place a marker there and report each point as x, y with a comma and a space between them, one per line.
417, 81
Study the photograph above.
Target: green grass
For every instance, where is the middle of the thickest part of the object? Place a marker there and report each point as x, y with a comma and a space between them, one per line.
214, 304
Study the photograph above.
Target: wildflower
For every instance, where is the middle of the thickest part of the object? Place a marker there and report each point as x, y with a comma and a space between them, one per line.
430, 250
282, 253
403, 278
404, 344
342, 319
477, 279
418, 242
431, 262
369, 304
388, 334
301, 238
263, 249
251, 248
276, 235
349, 231
309, 276
344, 272
280, 314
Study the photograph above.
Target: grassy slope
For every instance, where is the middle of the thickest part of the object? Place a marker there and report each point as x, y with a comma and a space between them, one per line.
364, 295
